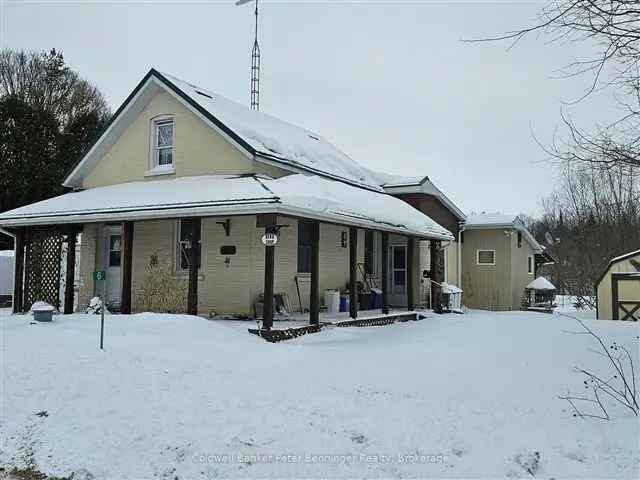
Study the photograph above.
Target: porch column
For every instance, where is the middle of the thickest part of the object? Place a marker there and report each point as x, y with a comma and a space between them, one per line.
69, 289
314, 300
127, 262
411, 271
385, 273
269, 267
437, 275
353, 272
192, 295
18, 272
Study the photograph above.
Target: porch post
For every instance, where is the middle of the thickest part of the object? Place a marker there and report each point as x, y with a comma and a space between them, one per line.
69, 289
353, 285
269, 267
437, 275
18, 272
127, 262
385, 273
192, 296
314, 300
411, 270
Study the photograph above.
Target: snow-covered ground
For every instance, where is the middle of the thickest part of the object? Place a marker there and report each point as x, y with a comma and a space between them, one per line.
456, 396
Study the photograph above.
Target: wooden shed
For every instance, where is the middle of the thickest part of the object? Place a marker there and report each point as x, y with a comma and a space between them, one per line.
618, 289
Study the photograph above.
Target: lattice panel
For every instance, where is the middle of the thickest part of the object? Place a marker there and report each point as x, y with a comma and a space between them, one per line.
42, 268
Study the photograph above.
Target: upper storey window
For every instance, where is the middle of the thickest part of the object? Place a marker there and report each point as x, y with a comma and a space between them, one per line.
163, 142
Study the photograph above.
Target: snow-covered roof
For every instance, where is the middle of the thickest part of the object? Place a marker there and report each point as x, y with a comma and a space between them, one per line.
397, 184
495, 219
541, 283
488, 221
6, 253
258, 134
309, 196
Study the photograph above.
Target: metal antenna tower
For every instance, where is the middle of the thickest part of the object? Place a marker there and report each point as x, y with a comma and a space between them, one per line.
255, 62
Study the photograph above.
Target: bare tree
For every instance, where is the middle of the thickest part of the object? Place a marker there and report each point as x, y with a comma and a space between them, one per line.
618, 385
613, 27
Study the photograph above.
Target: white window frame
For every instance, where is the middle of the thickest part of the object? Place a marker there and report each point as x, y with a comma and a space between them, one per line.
178, 250
154, 151
485, 250
530, 265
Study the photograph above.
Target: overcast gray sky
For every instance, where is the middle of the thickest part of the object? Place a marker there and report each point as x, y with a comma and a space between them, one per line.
390, 83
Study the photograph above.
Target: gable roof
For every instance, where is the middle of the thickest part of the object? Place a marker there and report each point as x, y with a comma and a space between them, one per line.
397, 185
613, 261
498, 220
261, 136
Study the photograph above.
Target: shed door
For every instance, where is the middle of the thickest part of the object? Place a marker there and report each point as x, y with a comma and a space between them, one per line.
626, 296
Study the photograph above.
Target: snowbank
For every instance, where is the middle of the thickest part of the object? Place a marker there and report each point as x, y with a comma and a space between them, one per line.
452, 396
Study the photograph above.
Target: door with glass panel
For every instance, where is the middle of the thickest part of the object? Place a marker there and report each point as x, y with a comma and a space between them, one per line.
398, 275
112, 241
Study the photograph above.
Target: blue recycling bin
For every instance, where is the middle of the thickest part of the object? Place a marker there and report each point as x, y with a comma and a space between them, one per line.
344, 303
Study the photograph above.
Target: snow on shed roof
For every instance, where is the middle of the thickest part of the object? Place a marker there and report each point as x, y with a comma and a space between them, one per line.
273, 137
541, 283
297, 195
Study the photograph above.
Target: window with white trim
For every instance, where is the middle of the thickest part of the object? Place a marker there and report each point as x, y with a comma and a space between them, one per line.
163, 142
486, 257
530, 265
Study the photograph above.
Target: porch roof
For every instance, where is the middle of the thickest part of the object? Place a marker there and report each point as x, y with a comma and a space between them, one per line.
307, 196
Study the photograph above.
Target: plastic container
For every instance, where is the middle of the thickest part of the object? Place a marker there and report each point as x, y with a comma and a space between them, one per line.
332, 300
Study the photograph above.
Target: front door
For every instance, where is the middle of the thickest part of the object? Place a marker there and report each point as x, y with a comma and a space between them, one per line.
398, 271
112, 260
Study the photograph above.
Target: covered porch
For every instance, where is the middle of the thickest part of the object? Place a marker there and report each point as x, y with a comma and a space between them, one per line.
239, 236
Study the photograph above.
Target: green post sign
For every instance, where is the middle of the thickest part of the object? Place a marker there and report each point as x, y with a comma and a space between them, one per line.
99, 275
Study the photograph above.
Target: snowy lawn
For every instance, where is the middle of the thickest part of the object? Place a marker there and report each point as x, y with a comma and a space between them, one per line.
452, 396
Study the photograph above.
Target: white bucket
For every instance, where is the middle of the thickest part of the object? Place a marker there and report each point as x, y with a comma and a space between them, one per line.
332, 300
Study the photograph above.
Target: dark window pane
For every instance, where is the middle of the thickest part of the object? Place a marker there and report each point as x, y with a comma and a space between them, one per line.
399, 277
486, 256
186, 234
114, 258
114, 251
399, 257
305, 242
368, 252
165, 156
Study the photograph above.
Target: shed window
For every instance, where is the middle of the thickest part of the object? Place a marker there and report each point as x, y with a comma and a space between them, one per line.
486, 257
185, 233
163, 143
305, 243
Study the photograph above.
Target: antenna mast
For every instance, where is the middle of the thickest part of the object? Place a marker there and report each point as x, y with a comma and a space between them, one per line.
255, 62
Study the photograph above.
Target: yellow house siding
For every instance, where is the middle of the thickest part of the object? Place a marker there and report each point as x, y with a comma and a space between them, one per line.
487, 286
87, 264
519, 276
197, 149
604, 290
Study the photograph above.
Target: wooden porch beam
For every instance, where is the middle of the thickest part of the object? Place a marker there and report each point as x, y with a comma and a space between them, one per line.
314, 300
192, 295
70, 277
385, 273
269, 268
18, 273
353, 272
127, 264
